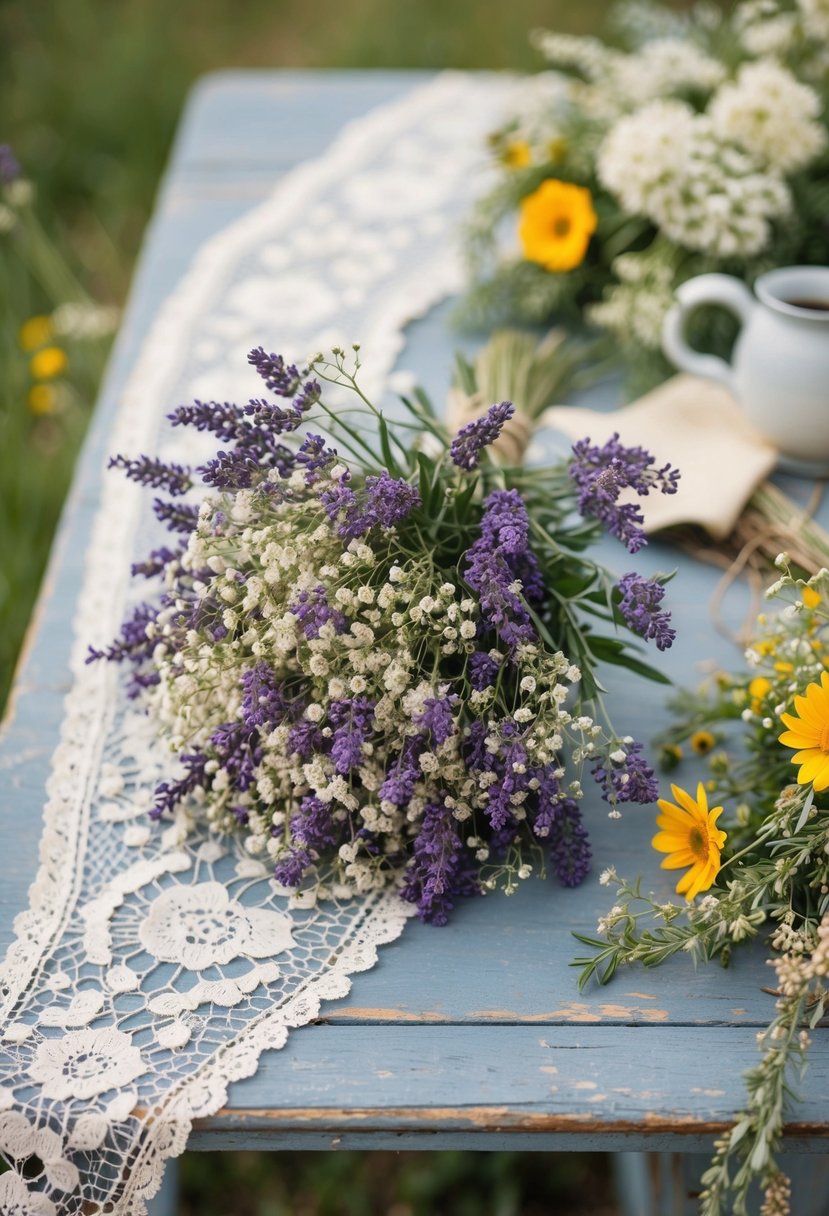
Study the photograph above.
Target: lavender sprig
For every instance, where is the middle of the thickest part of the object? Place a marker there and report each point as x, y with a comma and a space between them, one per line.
602, 473
158, 474
471, 439
640, 606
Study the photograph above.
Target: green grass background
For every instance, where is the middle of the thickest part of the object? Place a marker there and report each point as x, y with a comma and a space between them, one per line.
90, 94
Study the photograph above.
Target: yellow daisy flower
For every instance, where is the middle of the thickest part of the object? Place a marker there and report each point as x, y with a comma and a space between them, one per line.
758, 690
556, 224
808, 731
702, 741
48, 363
690, 838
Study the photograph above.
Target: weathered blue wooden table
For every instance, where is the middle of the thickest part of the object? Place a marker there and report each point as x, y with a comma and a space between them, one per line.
468, 1037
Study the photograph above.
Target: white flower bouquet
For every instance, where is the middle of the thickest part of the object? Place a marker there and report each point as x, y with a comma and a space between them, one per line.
382, 666
699, 143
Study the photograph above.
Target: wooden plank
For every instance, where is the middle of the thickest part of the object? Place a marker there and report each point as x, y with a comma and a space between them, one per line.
589, 1087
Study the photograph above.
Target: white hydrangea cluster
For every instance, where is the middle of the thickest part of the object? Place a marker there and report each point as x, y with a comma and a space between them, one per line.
767, 111
635, 307
673, 166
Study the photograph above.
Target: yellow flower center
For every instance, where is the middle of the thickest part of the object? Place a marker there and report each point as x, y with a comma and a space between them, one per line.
698, 843
562, 226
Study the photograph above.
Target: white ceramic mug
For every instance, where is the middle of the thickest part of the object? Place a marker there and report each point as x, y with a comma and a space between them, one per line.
780, 365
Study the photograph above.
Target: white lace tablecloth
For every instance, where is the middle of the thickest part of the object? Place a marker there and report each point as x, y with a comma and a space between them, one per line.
156, 963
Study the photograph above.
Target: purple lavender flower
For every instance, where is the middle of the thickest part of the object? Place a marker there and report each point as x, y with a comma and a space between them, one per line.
403, 775
353, 719
132, 644
476, 435
174, 478
631, 780
9, 166
239, 751
500, 557
475, 751
386, 502
304, 738
312, 610
280, 377
178, 516
292, 867
263, 704
156, 563
639, 606
169, 794
236, 470
548, 801
513, 776
313, 825
569, 845
437, 718
601, 473
222, 420
314, 457
483, 670
440, 872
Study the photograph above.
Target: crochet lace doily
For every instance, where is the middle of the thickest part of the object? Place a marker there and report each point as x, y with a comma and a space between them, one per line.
156, 963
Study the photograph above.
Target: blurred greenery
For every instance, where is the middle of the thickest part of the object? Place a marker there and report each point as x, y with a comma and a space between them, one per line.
90, 94
396, 1184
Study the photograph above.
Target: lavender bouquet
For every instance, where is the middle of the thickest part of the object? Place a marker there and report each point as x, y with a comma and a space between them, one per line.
379, 663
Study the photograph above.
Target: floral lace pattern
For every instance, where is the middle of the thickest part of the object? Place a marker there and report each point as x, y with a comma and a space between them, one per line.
154, 965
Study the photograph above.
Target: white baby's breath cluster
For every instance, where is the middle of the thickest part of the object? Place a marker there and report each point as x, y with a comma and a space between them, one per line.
635, 306
770, 114
700, 189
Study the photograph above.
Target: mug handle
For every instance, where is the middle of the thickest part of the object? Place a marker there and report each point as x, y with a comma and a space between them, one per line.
720, 289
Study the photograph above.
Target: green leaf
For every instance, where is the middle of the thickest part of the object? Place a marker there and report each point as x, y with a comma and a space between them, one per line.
385, 447
615, 652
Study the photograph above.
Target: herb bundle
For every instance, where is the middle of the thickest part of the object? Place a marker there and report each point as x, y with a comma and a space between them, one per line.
379, 663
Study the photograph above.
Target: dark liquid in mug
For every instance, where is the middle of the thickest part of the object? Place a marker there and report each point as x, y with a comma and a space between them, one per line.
812, 305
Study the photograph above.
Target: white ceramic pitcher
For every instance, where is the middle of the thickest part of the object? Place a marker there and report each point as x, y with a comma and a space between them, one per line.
780, 365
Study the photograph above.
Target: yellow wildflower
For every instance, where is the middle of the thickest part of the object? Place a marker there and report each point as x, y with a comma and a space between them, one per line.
34, 332
784, 667
811, 598
691, 838
516, 154
758, 690
48, 363
42, 399
556, 224
702, 741
808, 732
